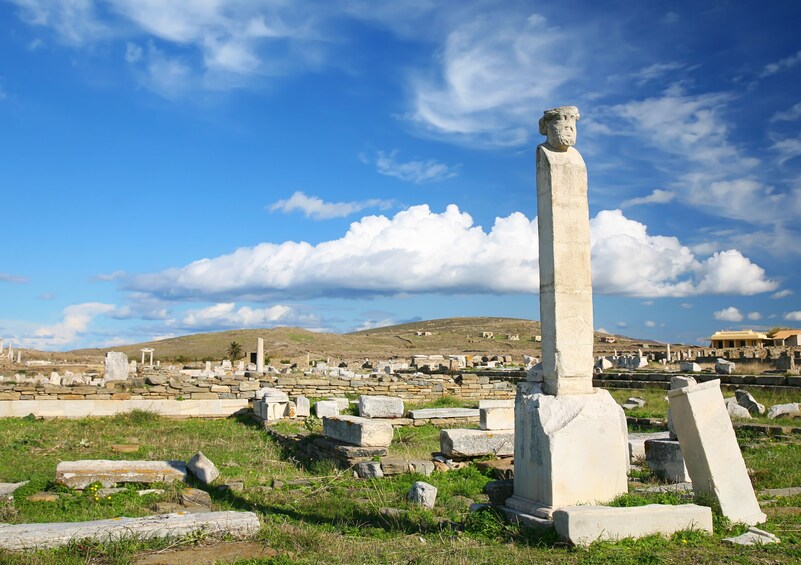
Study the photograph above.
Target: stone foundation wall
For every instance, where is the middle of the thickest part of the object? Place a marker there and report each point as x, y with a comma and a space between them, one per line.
158, 386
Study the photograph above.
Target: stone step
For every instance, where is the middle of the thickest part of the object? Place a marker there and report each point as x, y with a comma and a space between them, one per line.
358, 431
22, 537
80, 474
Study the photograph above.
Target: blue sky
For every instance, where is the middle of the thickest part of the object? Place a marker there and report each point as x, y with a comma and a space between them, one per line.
175, 166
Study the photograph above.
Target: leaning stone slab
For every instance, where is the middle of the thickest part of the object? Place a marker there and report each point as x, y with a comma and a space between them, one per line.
754, 536
462, 443
711, 452
361, 432
443, 413
380, 407
203, 468
582, 525
80, 474
21, 537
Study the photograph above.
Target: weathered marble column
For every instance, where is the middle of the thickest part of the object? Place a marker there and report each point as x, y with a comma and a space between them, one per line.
564, 241
570, 440
260, 355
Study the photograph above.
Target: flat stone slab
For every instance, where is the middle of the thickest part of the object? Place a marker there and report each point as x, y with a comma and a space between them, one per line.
81, 474
362, 432
443, 413
476, 443
582, 525
21, 537
782, 492
754, 536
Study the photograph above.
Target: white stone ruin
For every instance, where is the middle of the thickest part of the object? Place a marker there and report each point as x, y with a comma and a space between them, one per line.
149, 350
571, 441
116, 366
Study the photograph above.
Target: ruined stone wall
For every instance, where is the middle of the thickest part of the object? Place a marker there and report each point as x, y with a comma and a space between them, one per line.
161, 386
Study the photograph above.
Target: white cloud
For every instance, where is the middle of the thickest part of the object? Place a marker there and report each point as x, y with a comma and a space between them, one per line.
782, 293
781, 65
11, 278
686, 305
494, 70
419, 251
226, 315
787, 149
317, 209
793, 316
650, 324
658, 196
74, 21
621, 324
730, 314
113, 276
75, 321
789, 115
655, 71
754, 316
602, 331
133, 52
371, 324
416, 171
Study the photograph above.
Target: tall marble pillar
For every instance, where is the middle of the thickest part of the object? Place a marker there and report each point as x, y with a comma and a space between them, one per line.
260, 355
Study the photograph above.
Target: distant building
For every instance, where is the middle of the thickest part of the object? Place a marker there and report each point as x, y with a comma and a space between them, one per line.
488, 335
537, 338
787, 338
513, 337
422, 333
738, 338
607, 339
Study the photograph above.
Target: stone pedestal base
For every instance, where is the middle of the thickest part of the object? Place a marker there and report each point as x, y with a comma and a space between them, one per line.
569, 450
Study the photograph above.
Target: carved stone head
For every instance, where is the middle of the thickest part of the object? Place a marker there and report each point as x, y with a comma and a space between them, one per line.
559, 124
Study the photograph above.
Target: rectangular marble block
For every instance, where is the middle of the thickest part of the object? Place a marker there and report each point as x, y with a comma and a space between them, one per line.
80, 474
326, 408
496, 403
710, 450
361, 432
497, 418
23, 537
442, 413
664, 458
569, 449
380, 407
461, 443
582, 525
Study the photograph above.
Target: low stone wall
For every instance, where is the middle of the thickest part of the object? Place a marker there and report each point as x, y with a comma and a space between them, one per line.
644, 379
158, 386
212, 408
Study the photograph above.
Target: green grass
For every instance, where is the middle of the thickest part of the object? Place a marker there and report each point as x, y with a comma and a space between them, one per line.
336, 518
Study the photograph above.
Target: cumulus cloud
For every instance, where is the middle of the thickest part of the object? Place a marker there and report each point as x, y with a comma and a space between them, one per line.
730, 314
317, 209
15, 279
754, 316
658, 196
75, 321
650, 324
227, 315
415, 171
793, 316
494, 70
420, 251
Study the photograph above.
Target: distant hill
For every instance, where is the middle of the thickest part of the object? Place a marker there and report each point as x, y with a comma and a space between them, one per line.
448, 335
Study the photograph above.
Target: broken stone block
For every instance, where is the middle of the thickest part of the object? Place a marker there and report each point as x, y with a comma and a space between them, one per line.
735, 410
342, 403
423, 494
302, 407
499, 418
202, 468
358, 431
664, 458
689, 367
290, 410
380, 407
499, 491
369, 470
790, 410
724, 367
583, 525
326, 408
493, 403
80, 474
273, 394
747, 401
754, 536
421, 466
637, 443
711, 451
195, 497
463, 443
24, 537
7, 489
